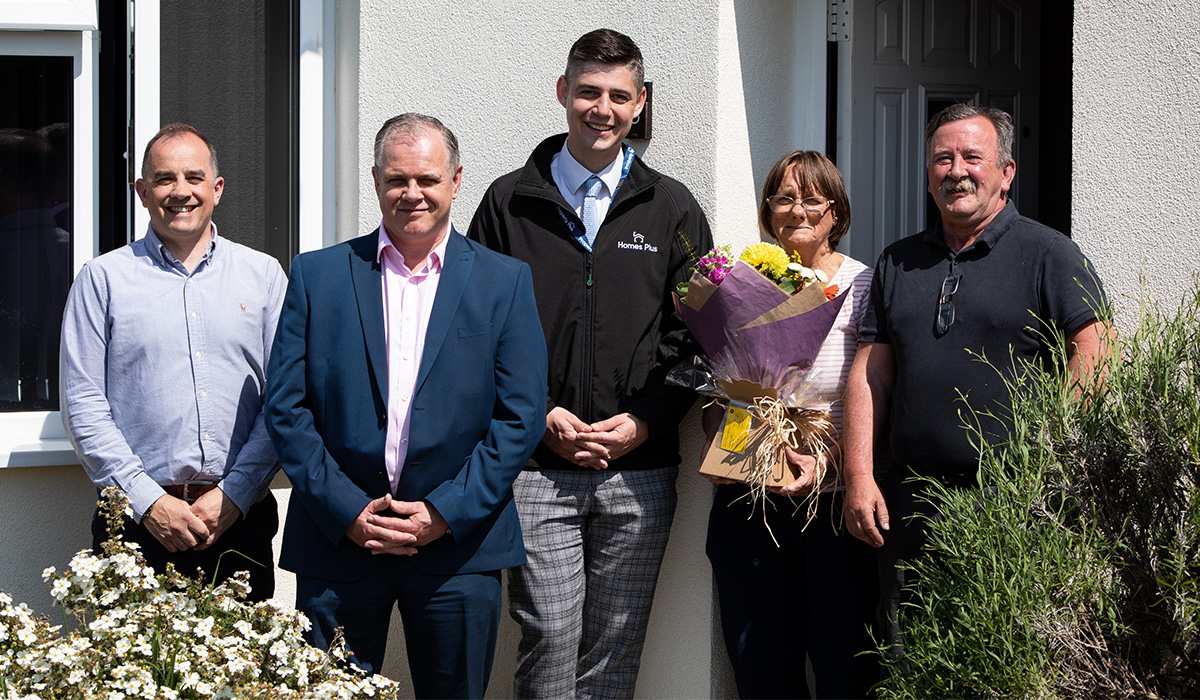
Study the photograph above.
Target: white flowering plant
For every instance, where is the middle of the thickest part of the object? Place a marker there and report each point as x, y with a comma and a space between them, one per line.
168, 637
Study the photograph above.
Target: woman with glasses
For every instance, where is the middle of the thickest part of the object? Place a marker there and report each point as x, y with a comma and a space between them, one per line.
815, 593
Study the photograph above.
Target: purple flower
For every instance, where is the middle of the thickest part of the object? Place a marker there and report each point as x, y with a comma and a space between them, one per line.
715, 265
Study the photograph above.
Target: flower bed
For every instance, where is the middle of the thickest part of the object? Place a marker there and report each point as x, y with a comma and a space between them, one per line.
140, 635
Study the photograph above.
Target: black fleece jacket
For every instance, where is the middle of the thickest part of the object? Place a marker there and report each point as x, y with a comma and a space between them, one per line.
612, 333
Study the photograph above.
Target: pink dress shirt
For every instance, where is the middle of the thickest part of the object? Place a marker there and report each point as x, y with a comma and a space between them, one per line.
407, 302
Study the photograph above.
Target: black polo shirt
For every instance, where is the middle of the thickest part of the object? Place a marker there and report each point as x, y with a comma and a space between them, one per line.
1015, 276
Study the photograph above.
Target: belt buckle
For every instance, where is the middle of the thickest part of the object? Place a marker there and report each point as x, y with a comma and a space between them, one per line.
199, 484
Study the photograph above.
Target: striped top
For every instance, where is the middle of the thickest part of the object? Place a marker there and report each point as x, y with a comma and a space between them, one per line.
831, 368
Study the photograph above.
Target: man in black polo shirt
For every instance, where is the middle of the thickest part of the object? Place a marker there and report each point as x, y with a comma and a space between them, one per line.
940, 299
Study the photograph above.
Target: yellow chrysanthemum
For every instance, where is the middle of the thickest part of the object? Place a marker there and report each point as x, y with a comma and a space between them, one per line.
767, 258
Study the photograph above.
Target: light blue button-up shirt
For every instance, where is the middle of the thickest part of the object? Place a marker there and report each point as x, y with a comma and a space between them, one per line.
162, 371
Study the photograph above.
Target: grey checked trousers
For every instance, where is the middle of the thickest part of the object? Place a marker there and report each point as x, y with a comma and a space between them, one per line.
595, 542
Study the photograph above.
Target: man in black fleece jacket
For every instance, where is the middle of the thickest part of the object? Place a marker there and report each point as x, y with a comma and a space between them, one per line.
607, 239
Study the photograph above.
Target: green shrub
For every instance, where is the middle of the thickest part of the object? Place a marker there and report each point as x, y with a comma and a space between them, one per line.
1075, 571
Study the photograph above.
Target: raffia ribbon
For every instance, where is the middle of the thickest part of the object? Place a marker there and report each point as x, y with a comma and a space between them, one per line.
804, 430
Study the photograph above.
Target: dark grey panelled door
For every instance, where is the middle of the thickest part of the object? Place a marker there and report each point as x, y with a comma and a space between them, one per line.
910, 58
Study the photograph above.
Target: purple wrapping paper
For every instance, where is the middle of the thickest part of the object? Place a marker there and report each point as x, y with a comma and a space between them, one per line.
742, 297
777, 354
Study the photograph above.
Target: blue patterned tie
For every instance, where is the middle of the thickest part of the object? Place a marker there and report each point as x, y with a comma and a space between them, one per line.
590, 213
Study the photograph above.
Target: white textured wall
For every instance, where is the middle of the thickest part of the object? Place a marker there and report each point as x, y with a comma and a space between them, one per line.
754, 111
1135, 197
45, 518
488, 72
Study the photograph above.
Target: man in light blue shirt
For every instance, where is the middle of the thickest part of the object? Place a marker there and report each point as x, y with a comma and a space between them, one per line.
164, 353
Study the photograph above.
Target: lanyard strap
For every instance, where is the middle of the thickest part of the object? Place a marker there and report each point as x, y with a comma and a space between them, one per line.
578, 233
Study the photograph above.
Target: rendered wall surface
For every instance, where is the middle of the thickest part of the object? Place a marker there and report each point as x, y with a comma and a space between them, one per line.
1136, 124
45, 518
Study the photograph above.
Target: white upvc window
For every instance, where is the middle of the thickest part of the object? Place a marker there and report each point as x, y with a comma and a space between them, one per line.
318, 188
48, 209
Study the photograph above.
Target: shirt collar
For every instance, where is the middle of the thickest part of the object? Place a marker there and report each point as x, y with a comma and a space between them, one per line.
160, 254
436, 256
1000, 223
575, 175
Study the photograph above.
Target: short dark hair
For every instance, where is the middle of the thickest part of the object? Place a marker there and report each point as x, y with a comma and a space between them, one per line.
412, 125
814, 173
607, 47
1001, 121
174, 130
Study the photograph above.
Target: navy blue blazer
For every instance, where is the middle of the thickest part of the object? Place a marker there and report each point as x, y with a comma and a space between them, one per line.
478, 411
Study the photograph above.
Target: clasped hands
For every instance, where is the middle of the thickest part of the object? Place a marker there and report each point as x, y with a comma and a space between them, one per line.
180, 527
383, 533
593, 445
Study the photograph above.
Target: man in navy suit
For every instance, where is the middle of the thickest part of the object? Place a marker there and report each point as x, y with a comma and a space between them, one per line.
406, 390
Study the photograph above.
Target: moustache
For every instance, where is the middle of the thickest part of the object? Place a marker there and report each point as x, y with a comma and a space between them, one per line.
966, 185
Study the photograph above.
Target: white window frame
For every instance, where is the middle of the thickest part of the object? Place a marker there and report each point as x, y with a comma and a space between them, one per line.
318, 135
58, 28
146, 25
809, 75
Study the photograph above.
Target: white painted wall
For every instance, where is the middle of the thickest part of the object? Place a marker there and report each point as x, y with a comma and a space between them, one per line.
1135, 198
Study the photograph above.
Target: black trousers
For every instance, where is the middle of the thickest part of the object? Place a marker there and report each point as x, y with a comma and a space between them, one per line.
909, 513
249, 536
814, 595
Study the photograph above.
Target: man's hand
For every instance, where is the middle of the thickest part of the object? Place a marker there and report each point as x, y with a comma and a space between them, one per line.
610, 439
172, 523
807, 466
866, 512
380, 535
868, 400
217, 511
562, 431
423, 521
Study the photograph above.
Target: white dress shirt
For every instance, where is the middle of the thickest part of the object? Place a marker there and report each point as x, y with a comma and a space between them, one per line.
571, 177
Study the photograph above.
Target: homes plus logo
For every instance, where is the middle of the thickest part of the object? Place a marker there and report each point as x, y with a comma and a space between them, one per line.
639, 243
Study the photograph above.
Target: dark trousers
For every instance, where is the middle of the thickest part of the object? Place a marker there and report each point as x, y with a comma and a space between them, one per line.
815, 594
450, 622
908, 515
250, 536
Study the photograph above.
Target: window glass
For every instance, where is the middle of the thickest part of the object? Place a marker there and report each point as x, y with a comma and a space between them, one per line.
35, 226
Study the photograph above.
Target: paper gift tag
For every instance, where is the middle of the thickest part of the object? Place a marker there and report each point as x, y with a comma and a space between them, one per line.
738, 421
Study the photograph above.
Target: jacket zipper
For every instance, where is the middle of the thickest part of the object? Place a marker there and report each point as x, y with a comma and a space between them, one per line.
589, 312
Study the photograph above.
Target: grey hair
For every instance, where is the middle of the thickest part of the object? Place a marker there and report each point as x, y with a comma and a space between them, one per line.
1000, 120
413, 125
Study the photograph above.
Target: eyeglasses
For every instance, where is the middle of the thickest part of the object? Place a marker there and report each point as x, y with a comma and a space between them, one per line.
945, 309
781, 204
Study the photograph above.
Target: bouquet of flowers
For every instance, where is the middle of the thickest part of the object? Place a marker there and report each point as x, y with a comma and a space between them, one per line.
761, 321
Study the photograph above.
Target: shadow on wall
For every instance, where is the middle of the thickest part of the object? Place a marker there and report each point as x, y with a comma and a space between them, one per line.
767, 55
